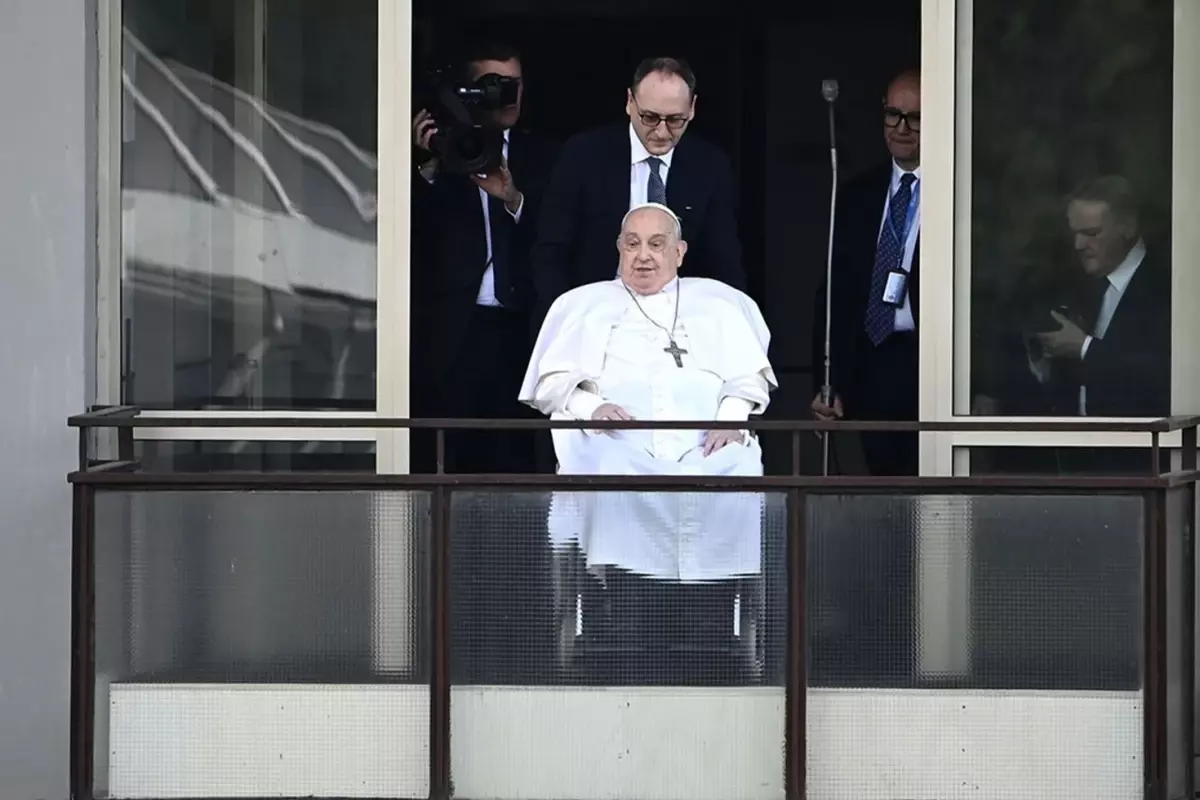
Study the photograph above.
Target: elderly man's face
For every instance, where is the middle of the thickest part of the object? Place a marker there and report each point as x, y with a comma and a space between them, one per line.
902, 121
650, 250
660, 108
1101, 239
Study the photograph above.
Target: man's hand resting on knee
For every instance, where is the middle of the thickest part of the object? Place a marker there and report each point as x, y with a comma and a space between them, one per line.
715, 440
611, 412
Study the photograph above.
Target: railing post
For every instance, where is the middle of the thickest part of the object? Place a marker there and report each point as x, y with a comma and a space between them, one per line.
1154, 735
1188, 464
440, 786
796, 692
83, 642
1188, 645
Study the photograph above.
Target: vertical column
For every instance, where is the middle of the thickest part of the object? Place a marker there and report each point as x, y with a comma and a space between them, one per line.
109, 360
47, 224
1185, 205
252, 243
109, 111
943, 549
1185, 234
395, 537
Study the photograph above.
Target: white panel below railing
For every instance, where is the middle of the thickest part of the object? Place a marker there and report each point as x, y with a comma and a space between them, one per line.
866, 744
613, 743
268, 740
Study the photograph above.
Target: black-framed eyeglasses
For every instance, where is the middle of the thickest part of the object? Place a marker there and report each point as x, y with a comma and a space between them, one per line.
651, 120
892, 117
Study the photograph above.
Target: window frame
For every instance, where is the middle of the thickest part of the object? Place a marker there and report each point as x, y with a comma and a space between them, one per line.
392, 251
945, 365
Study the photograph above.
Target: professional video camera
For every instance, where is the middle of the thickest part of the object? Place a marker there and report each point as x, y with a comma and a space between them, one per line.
463, 144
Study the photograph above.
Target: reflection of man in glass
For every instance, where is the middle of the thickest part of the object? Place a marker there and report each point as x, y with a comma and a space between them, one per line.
1112, 351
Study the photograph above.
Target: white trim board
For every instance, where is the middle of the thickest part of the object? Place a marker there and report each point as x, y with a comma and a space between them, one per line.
189, 740
299, 433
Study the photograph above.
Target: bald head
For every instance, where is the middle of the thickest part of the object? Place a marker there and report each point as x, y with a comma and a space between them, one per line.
651, 247
908, 78
902, 119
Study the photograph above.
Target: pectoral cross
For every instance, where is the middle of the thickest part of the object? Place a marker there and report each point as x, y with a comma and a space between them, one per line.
676, 351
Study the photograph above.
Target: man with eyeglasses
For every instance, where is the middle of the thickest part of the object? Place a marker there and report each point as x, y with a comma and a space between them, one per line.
601, 174
874, 306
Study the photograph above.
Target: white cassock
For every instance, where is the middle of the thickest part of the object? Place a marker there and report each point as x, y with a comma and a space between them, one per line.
596, 347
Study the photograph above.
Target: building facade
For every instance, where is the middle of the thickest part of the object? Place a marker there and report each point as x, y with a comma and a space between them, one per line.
206, 215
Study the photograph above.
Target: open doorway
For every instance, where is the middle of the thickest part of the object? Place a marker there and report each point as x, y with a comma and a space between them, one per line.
759, 69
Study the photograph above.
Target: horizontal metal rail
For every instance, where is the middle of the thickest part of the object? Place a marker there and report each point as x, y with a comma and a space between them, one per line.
130, 417
119, 475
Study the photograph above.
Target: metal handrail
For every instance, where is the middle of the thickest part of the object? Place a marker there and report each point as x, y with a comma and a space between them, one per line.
123, 474
130, 417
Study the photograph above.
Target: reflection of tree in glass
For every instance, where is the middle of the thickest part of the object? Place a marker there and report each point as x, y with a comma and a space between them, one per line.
1062, 91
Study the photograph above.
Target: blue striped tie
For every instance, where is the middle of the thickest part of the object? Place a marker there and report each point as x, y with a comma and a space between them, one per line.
656, 190
889, 256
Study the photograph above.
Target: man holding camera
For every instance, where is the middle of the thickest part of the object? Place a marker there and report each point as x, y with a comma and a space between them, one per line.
473, 211
471, 292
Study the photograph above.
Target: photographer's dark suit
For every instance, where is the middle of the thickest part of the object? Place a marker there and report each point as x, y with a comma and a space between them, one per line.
468, 359
589, 193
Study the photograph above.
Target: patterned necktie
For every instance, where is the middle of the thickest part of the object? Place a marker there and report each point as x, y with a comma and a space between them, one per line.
656, 190
889, 256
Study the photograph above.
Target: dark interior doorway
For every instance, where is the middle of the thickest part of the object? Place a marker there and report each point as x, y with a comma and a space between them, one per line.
759, 67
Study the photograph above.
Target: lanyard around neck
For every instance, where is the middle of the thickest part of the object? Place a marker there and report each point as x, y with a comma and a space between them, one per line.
909, 220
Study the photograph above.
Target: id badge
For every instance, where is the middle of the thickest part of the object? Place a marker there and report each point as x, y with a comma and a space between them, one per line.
896, 288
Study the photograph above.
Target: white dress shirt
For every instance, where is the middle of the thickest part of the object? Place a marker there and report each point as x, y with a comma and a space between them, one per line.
904, 314
487, 287
639, 170
1118, 281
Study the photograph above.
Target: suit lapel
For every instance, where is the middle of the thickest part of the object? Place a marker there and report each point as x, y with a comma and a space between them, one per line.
681, 182
472, 205
615, 182
862, 224
883, 192
914, 278
1140, 292
516, 154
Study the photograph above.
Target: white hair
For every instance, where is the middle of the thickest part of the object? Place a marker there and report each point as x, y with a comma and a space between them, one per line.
656, 207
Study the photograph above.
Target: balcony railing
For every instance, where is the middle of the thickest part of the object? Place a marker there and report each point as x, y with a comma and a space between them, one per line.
369, 635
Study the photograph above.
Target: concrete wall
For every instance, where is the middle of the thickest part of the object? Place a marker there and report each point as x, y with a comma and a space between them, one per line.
47, 67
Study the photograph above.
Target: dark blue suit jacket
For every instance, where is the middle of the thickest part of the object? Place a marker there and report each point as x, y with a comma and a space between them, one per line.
588, 194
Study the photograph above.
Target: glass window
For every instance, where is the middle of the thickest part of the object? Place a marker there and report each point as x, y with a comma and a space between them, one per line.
1070, 205
248, 187
1068, 461
255, 456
